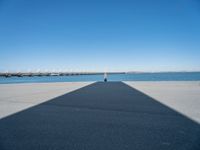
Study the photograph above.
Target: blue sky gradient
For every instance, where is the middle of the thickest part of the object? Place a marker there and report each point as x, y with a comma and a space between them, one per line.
103, 35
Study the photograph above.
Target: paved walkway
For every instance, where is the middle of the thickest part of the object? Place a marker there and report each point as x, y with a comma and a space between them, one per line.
100, 116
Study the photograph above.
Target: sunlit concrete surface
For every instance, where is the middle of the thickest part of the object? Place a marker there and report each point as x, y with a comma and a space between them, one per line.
182, 96
17, 97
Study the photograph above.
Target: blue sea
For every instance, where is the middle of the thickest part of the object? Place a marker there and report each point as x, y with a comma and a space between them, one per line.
181, 76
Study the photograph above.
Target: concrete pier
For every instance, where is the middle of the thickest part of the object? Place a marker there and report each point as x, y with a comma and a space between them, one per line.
102, 116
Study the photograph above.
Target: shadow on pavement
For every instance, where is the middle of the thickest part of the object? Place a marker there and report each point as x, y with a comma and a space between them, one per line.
101, 116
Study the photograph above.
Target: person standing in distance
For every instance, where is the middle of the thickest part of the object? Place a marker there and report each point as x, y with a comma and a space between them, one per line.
105, 77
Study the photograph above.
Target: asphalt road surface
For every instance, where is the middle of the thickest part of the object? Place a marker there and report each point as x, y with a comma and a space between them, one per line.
100, 116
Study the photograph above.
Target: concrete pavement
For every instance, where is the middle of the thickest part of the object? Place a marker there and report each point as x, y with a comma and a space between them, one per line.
111, 116
18, 97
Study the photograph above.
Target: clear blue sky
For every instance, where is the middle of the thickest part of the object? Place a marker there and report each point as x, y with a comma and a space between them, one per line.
142, 35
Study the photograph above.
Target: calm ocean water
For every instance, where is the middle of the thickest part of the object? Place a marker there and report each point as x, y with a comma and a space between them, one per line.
189, 76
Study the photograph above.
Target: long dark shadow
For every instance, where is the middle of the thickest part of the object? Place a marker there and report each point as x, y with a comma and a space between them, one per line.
101, 116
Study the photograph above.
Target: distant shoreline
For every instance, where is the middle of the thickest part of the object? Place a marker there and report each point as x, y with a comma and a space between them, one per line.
19, 74
158, 76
